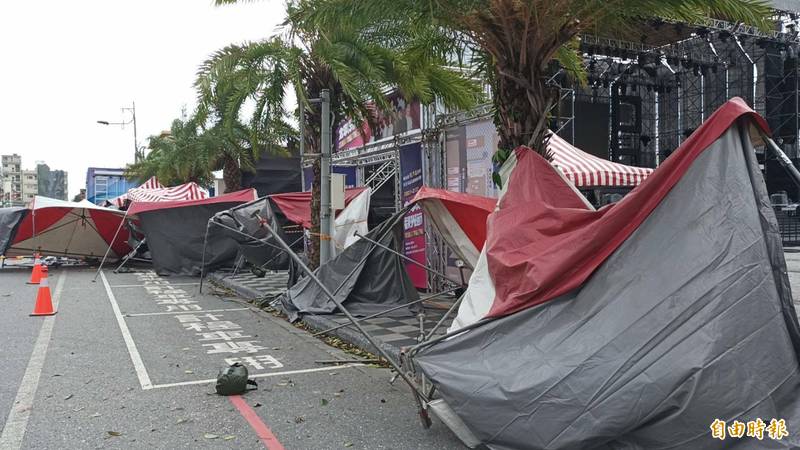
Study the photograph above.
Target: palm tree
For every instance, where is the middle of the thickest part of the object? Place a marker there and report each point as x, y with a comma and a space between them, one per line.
516, 40
354, 61
232, 145
177, 156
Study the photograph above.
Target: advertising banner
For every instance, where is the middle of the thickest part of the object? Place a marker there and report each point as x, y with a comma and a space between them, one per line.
468, 154
402, 117
348, 171
414, 222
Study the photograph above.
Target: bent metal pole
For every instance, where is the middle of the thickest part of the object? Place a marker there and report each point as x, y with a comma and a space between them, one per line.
114, 239
406, 258
341, 307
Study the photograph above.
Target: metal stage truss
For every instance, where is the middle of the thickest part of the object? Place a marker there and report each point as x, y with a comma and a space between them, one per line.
652, 95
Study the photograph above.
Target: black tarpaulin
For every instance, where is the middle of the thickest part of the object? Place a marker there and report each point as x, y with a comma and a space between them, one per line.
274, 175
689, 320
175, 238
10, 219
258, 245
379, 281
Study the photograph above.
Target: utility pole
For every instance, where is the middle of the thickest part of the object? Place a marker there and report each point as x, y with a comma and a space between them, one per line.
326, 216
136, 155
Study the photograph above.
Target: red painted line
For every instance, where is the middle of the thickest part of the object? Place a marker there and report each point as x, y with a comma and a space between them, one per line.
262, 430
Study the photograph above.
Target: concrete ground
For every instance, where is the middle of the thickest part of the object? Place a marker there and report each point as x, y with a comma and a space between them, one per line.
129, 362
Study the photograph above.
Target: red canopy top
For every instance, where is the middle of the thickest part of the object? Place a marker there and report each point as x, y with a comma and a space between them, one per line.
243, 196
153, 191
586, 170
296, 206
542, 242
469, 211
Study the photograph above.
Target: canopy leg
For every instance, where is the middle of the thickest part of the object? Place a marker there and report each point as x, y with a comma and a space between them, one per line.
114, 239
420, 396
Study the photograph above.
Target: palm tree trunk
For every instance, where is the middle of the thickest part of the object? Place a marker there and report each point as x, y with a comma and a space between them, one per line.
521, 110
316, 201
231, 174
313, 145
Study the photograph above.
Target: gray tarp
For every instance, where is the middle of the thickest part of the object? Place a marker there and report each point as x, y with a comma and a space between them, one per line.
10, 219
379, 282
689, 320
264, 248
175, 238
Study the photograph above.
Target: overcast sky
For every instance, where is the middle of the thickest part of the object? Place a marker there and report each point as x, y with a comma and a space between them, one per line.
67, 64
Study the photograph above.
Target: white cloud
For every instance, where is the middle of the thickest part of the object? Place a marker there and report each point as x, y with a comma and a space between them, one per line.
66, 65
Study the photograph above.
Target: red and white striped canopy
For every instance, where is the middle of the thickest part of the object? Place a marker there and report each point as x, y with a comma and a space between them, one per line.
153, 191
585, 170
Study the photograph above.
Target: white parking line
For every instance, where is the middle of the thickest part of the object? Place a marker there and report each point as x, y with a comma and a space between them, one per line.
143, 285
164, 313
136, 358
14, 429
263, 375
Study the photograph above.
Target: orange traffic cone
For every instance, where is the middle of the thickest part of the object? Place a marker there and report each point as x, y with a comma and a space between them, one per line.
44, 304
36, 274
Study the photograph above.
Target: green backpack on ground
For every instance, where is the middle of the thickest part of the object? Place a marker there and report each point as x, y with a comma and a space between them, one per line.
233, 380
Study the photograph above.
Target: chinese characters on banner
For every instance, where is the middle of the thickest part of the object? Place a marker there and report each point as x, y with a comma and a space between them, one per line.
413, 223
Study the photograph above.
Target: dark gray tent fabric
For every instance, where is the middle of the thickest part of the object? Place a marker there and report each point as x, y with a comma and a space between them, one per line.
175, 238
689, 320
10, 219
263, 250
379, 281
274, 175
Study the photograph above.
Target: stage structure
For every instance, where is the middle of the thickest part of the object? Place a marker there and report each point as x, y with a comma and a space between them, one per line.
642, 100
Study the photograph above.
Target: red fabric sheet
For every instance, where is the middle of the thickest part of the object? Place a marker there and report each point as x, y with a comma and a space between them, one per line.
470, 211
296, 206
107, 224
541, 244
243, 196
39, 221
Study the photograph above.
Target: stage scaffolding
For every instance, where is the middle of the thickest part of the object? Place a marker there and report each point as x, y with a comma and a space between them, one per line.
679, 83
675, 85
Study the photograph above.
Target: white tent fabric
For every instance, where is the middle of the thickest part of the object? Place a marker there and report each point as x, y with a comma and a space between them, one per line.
351, 220
62, 228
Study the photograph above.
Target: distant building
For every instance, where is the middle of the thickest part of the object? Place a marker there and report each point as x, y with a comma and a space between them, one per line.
30, 185
11, 180
80, 196
51, 183
106, 184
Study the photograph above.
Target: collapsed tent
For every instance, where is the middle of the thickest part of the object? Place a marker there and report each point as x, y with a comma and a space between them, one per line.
176, 231
244, 224
365, 278
460, 219
634, 326
61, 228
585, 170
296, 206
10, 218
153, 191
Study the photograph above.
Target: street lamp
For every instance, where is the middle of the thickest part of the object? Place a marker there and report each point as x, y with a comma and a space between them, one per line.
137, 154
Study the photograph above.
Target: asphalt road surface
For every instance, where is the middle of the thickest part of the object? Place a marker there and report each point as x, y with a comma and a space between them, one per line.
129, 361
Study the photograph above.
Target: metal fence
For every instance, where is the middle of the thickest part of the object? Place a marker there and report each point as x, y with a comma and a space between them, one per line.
789, 224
